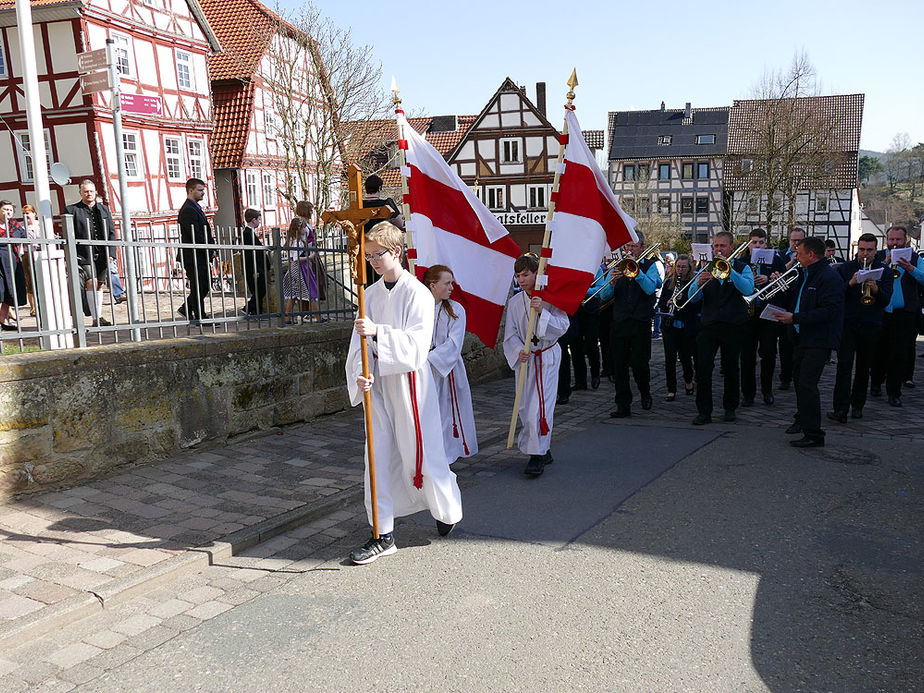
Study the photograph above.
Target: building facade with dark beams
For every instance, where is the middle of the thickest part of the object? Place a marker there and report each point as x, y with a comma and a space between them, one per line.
666, 166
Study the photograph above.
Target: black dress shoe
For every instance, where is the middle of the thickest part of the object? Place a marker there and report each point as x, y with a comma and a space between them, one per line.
547, 458
689, 389
875, 391
808, 442
701, 420
444, 528
580, 387
595, 382
747, 402
768, 399
671, 396
793, 429
856, 413
729, 415
535, 465
784, 384
620, 413
181, 311
562, 399
646, 402
909, 384
839, 416
895, 401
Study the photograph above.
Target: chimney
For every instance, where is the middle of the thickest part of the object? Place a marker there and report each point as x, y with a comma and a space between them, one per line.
687, 111
662, 105
540, 97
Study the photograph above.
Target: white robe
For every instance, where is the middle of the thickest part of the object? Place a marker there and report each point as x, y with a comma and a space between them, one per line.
551, 324
398, 361
455, 395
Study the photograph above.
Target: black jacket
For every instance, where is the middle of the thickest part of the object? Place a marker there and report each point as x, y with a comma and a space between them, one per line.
254, 261
686, 319
96, 255
194, 228
854, 310
819, 292
630, 302
721, 301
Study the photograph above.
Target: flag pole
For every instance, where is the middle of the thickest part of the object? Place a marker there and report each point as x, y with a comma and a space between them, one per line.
543, 257
402, 149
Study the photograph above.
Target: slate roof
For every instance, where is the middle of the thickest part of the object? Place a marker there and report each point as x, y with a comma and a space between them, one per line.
368, 141
634, 134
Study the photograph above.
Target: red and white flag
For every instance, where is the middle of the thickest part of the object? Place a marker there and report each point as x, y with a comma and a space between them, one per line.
588, 223
452, 227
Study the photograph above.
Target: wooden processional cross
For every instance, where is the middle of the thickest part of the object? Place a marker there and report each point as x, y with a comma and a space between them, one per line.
353, 221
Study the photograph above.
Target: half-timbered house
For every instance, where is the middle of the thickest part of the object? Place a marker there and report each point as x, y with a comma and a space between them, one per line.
666, 167
160, 53
793, 162
266, 92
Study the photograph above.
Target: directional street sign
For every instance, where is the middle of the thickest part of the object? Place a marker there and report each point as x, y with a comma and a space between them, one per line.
91, 60
145, 105
95, 82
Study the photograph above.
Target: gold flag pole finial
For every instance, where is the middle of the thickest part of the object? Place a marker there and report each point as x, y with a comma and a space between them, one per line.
572, 83
396, 100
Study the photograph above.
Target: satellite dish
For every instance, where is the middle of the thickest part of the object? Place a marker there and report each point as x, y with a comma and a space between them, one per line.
60, 173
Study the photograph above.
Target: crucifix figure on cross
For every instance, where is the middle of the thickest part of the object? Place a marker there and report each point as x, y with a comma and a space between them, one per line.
353, 220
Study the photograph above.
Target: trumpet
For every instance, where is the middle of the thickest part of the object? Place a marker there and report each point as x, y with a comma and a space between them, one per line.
867, 298
626, 264
777, 286
720, 268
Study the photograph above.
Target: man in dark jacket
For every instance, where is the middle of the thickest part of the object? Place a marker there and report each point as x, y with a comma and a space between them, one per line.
817, 319
194, 228
92, 222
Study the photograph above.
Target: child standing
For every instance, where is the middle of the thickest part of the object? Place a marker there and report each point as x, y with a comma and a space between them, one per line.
455, 395
411, 469
537, 404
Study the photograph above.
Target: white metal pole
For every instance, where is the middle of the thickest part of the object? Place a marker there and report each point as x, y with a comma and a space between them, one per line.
47, 319
127, 233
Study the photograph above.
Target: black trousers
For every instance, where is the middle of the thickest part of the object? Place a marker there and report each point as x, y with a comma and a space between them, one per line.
710, 339
807, 366
585, 349
257, 288
759, 341
606, 354
859, 343
566, 343
896, 350
630, 342
785, 354
678, 343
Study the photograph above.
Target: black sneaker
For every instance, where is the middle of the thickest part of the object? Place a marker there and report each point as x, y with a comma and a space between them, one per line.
443, 528
373, 549
535, 465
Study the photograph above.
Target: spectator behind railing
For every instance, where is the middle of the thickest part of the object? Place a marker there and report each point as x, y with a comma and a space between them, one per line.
194, 228
12, 279
254, 261
92, 221
33, 230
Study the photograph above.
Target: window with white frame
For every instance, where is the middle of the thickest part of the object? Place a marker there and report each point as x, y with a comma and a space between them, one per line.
253, 190
269, 119
24, 154
184, 71
821, 203
510, 151
269, 189
173, 156
495, 196
3, 72
122, 51
130, 146
537, 197
194, 148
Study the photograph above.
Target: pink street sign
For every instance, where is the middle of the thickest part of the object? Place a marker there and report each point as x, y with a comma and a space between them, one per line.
145, 105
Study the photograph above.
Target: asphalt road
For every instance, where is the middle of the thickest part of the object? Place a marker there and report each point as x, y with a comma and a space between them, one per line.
647, 557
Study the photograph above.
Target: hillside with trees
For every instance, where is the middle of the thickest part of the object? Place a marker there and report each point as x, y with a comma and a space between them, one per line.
892, 184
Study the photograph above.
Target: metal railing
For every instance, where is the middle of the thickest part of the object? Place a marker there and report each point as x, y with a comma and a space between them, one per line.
298, 284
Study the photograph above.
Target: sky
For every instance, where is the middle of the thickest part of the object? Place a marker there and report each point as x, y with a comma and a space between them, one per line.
450, 57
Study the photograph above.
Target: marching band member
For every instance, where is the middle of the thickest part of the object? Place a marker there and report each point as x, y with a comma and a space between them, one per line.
760, 335
796, 235
900, 322
453, 391
831, 256
537, 405
817, 318
630, 331
864, 304
678, 328
724, 315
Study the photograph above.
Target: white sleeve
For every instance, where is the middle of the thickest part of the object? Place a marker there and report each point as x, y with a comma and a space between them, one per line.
445, 356
404, 348
552, 323
513, 340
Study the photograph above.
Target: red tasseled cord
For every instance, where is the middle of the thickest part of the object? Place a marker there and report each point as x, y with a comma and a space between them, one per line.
418, 476
540, 391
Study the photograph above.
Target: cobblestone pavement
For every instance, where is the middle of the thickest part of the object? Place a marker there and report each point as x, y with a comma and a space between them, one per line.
122, 550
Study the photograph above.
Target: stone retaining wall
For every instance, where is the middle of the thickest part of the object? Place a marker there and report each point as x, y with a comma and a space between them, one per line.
71, 415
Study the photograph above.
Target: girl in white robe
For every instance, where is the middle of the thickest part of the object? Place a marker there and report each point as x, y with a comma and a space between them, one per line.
537, 404
455, 395
411, 469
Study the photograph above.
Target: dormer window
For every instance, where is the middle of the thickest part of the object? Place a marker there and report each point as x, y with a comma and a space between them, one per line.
705, 139
664, 140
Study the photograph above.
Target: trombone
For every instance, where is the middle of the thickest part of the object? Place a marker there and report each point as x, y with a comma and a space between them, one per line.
626, 264
720, 268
